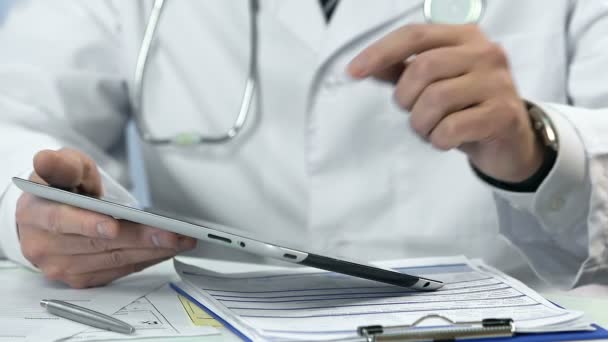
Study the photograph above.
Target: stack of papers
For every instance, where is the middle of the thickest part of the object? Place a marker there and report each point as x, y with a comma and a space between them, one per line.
22, 317
309, 304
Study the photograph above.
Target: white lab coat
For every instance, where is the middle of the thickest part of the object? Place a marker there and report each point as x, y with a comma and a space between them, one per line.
326, 163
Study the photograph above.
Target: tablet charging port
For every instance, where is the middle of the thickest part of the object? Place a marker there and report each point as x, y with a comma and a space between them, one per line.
221, 238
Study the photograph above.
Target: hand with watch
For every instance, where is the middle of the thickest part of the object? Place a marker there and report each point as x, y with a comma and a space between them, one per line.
459, 91
546, 135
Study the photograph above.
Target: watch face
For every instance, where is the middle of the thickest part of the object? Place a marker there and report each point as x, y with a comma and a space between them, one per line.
453, 11
544, 127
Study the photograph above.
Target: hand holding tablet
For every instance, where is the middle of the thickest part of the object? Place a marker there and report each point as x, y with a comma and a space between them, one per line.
219, 235
78, 247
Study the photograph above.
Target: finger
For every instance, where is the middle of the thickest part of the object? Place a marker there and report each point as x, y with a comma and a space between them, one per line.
39, 243
34, 177
33, 243
68, 169
134, 235
130, 235
476, 124
391, 74
429, 67
401, 44
93, 279
61, 266
60, 218
443, 98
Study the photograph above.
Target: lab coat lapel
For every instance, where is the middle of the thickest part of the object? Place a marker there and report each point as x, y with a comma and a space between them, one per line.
355, 19
304, 18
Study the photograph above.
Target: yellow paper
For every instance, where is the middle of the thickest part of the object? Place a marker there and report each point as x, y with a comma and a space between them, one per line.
197, 315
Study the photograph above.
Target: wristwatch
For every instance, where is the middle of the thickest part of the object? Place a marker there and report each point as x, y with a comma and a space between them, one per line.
547, 134
543, 127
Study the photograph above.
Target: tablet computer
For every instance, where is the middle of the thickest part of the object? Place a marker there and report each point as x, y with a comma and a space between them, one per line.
218, 234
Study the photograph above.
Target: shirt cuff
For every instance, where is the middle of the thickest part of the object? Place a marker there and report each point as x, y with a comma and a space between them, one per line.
557, 203
9, 238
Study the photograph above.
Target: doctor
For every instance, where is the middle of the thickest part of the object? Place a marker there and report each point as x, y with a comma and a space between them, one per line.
372, 134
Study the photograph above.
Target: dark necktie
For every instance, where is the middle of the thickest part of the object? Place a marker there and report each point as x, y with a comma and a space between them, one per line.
328, 7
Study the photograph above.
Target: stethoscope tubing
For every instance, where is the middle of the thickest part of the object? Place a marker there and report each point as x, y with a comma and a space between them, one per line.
475, 12
191, 138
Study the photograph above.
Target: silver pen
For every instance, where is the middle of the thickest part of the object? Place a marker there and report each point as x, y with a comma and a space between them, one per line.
86, 316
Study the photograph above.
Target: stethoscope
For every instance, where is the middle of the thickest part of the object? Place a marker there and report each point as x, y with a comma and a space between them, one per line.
435, 11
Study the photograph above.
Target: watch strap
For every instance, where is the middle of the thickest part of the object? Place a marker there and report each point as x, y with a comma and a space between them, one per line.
547, 135
532, 183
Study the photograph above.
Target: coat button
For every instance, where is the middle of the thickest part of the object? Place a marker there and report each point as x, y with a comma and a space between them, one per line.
557, 203
330, 82
336, 80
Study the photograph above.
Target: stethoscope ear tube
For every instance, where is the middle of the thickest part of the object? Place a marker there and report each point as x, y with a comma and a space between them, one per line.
192, 138
140, 72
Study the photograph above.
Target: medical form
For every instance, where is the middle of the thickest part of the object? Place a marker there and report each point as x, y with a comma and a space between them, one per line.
313, 305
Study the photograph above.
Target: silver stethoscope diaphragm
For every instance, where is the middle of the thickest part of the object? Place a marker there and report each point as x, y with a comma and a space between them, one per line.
453, 11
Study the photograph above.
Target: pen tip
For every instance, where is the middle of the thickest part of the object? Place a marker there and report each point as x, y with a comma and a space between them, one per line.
44, 303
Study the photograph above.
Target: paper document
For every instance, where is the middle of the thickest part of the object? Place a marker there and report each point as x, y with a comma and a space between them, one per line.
315, 305
22, 318
158, 314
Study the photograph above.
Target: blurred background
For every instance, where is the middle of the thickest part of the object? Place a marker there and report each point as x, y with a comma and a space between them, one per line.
4, 7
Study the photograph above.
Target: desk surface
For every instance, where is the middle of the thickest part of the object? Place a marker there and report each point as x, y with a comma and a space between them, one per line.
593, 300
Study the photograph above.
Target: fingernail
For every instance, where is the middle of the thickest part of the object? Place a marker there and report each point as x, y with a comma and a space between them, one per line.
104, 230
186, 244
155, 240
348, 78
358, 66
162, 241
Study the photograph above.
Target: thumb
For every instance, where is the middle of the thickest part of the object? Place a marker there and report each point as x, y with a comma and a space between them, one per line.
68, 169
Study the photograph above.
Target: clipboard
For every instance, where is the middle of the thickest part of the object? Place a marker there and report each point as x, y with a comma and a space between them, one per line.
489, 330
598, 334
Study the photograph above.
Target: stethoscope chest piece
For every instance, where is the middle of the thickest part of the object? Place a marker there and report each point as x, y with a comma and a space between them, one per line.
453, 11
